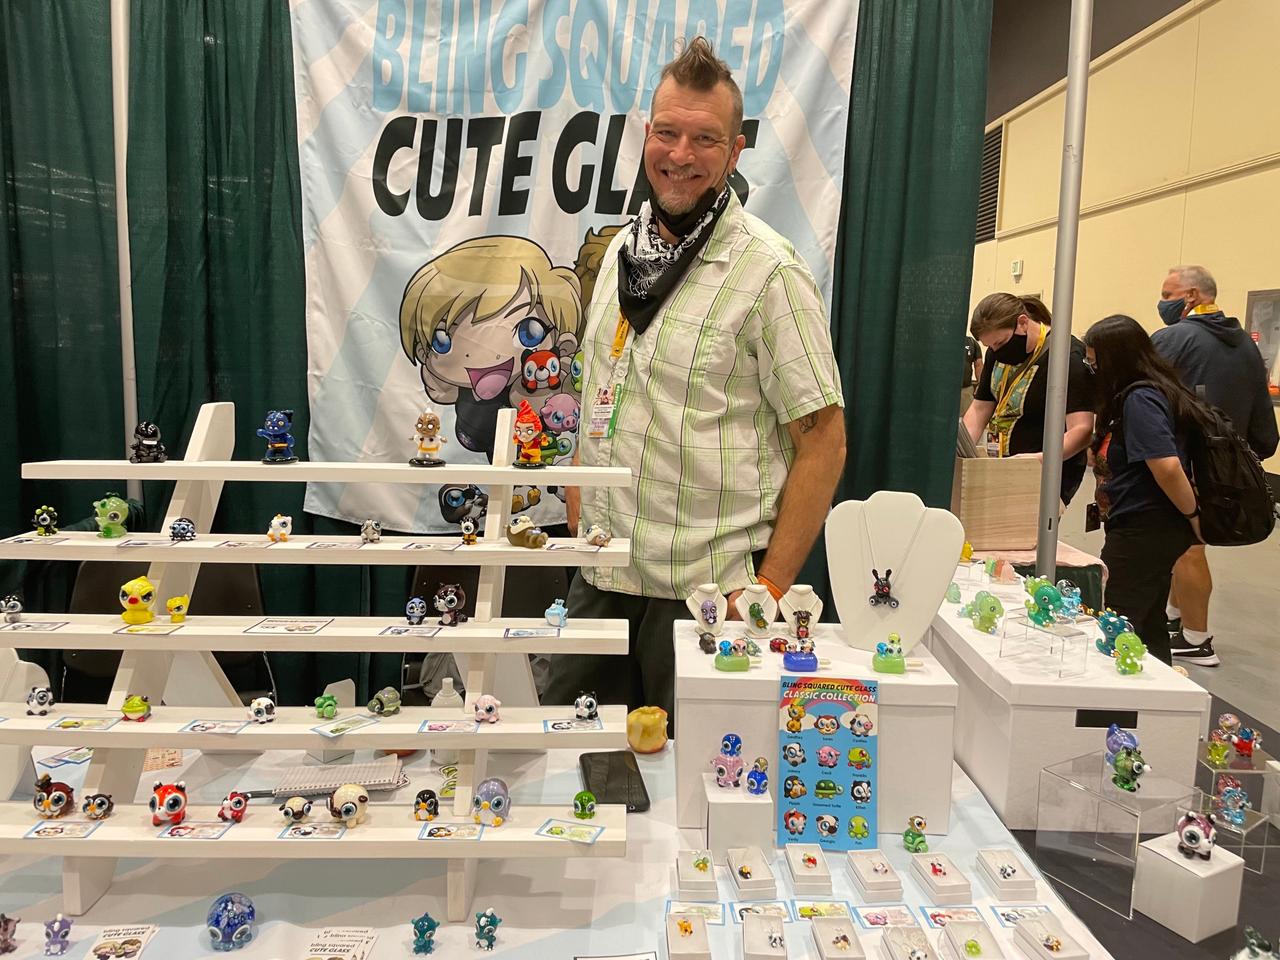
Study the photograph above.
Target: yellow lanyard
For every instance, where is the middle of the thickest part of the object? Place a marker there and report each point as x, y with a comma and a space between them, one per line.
1000, 420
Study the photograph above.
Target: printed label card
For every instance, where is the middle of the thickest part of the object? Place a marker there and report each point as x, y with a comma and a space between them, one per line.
195, 830
62, 829
451, 831
409, 630
448, 726
808, 909
336, 728
777, 909
227, 727
713, 913
35, 626
84, 723
938, 917
575, 832
313, 831
879, 917
571, 724
302, 625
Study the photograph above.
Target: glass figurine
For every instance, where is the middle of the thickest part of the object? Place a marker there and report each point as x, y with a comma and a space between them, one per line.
57, 936
752, 648
558, 614
1228, 725
40, 701
177, 607
326, 706
1196, 835
756, 613
182, 529
487, 922
1117, 739
424, 934
584, 805
1044, 602
45, 520
707, 642
469, 528
774, 935
882, 590
529, 437
937, 868
888, 657
415, 611
1216, 752
1233, 802
146, 446
275, 430
295, 809
728, 765
11, 606
966, 552
111, 513
744, 872
486, 708
702, 863
586, 707
972, 948
233, 807
597, 535
984, 611
449, 600
758, 778
731, 745
262, 710
53, 798
230, 922
168, 803
137, 597
1112, 625
491, 804
426, 806
1128, 767
913, 837
802, 659
684, 926
426, 434
136, 707
279, 528
1245, 741
371, 531
953, 592
1129, 652
521, 532
1071, 602
97, 806
732, 657
386, 702
348, 803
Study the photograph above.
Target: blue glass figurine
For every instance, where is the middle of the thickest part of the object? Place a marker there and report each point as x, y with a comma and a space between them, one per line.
758, 777
1071, 602
558, 614
1044, 603
57, 936
1117, 739
487, 928
415, 611
1112, 625
799, 656
146, 445
1129, 767
983, 611
1234, 803
888, 657
1129, 651
275, 430
230, 924
424, 933
728, 765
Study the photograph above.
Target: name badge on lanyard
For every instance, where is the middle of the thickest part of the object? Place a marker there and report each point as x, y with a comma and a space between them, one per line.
603, 411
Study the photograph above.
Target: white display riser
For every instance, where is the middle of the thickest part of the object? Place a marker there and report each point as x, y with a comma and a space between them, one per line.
916, 726
1011, 721
825, 929
735, 818
1194, 898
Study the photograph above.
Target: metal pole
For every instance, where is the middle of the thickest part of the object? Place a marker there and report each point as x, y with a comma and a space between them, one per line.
120, 128
1064, 282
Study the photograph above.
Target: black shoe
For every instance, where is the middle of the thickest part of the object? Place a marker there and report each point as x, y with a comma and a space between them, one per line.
1201, 655
1174, 628
1177, 640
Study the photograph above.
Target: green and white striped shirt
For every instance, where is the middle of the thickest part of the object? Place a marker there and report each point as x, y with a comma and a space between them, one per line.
741, 348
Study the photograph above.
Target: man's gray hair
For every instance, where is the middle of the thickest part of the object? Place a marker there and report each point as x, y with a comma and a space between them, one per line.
1193, 275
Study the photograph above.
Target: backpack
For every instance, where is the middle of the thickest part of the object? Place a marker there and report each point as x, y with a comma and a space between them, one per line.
1236, 504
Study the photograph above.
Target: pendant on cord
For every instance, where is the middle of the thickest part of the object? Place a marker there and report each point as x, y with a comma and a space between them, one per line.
883, 589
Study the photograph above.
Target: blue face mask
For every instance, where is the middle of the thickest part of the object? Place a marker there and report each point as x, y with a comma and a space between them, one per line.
1171, 310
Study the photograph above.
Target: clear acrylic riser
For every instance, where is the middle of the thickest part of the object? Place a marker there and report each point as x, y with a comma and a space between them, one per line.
1248, 840
1060, 649
1257, 777
1088, 829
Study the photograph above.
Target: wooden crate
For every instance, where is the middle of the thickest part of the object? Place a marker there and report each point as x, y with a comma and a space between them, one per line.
997, 501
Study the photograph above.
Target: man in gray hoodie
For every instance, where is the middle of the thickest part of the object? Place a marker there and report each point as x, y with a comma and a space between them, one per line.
1221, 364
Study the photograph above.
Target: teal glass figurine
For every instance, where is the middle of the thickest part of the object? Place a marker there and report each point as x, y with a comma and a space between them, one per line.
1045, 600
584, 805
1128, 767
888, 657
913, 837
424, 934
487, 924
953, 592
1071, 601
1216, 752
732, 657
1129, 651
984, 611
1112, 625
111, 512
1234, 802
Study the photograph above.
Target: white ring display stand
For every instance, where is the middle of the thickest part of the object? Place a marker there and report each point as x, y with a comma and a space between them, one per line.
893, 530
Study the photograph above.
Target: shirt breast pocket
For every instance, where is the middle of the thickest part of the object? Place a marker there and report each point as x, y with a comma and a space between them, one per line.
696, 356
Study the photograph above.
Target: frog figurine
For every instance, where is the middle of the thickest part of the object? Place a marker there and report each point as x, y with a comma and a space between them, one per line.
111, 513
1128, 767
1112, 625
888, 657
984, 611
136, 707
1045, 600
1129, 651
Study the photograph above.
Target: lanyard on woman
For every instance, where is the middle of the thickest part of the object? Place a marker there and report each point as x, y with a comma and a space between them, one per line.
1010, 378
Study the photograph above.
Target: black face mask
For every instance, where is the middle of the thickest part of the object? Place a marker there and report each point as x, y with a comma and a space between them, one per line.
1014, 352
682, 224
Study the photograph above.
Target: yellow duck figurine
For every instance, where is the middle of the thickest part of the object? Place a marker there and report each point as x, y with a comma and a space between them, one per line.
177, 607
137, 597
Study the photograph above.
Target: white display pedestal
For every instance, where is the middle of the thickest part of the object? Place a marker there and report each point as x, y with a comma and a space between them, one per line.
734, 818
691, 945
808, 881
826, 930
947, 888
916, 724
756, 932
959, 932
874, 886
1012, 719
1192, 897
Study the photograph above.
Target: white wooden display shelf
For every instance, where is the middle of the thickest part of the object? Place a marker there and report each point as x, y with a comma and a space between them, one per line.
521, 728
303, 471
365, 634
389, 832
390, 551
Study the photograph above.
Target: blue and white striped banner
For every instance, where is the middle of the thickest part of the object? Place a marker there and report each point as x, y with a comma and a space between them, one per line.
513, 127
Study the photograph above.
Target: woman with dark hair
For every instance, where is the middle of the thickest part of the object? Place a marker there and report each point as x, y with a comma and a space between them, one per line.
1007, 412
1145, 497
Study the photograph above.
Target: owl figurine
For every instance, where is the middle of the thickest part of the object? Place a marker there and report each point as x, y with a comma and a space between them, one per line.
491, 804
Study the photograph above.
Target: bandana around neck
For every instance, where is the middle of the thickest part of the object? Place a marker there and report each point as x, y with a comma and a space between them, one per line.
649, 267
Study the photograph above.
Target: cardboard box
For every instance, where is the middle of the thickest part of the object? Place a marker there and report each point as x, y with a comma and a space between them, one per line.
997, 501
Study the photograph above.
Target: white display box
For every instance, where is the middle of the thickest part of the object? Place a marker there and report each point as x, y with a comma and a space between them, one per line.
1031, 932
760, 885
734, 818
1015, 716
873, 886
825, 931
691, 946
756, 931
808, 881
959, 932
917, 723
1020, 886
692, 883
1194, 898
949, 887
906, 943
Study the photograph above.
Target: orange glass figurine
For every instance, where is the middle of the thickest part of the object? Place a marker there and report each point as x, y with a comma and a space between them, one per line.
529, 437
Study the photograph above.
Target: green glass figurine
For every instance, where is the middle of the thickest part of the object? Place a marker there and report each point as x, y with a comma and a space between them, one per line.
1129, 651
757, 616
1129, 767
888, 657
111, 512
1216, 752
972, 948
1044, 603
732, 657
953, 592
984, 612
913, 837
584, 805
326, 706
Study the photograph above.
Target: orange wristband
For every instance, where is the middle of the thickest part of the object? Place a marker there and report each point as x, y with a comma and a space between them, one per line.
771, 587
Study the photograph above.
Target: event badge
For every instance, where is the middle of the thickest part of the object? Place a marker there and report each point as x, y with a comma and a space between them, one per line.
604, 410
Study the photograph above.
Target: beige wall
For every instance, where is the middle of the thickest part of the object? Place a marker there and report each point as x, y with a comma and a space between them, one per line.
1181, 165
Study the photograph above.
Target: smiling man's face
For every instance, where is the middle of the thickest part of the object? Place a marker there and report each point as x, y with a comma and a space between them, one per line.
689, 144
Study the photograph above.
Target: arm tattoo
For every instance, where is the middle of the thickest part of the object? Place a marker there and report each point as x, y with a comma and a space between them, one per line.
807, 422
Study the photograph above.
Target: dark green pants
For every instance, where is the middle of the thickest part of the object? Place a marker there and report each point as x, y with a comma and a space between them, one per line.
645, 676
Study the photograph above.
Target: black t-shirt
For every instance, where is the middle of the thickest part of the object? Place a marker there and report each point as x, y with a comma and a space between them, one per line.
1027, 435
971, 353
1145, 432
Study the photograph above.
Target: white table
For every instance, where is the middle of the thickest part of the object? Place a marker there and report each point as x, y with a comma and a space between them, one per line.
551, 909
1015, 716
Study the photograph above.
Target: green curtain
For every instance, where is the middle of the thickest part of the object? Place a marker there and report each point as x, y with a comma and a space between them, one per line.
60, 374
